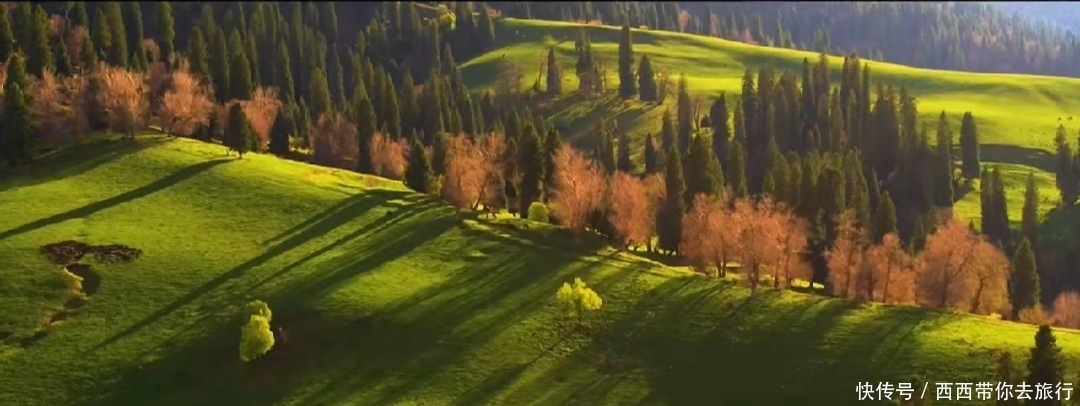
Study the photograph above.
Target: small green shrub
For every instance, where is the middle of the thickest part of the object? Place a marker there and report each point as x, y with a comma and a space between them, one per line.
256, 339
577, 299
73, 283
539, 212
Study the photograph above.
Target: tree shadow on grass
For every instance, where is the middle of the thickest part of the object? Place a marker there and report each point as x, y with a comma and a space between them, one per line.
1017, 155
208, 371
420, 204
453, 318
325, 224
143, 191
74, 160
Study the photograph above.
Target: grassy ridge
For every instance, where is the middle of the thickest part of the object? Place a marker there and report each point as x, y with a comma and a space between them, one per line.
410, 307
1017, 115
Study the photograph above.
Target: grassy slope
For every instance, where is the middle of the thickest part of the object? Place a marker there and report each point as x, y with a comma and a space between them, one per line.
411, 308
1016, 114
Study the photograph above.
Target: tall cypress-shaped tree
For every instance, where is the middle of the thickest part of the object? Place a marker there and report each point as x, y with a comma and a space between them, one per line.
552, 143
667, 131
647, 90
240, 84
118, 53
1024, 280
319, 99
198, 54
418, 170
650, 155
363, 115
684, 111
1065, 170
61, 57
884, 217
284, 126
219, 64
969, 147
703, 175
17, 123
1030, 215
736, 173
133, 22
239, 136
530, 162
39, 56
943, 187
626, 62
165, 32
1046, 365
669, 219
721, 135
554, 74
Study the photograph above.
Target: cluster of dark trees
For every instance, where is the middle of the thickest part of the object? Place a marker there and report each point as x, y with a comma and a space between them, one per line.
959, 36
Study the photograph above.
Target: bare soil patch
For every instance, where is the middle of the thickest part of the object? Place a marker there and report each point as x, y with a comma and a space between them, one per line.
70, 251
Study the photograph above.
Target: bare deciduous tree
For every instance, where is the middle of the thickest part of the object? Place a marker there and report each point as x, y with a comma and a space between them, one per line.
388, 156
464, 176
59, 109
186, 106
845, 257
335, 142
958, 268
630, 210
124, 97
1067, 309
578, 183
891, 266
490, 148
261, 112
755, 242
655, 191
790, 239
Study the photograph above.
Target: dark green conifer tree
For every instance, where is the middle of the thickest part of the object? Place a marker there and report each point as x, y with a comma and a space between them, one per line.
669, 219
647, 90
736, 174
240, 84
626, 64
530, 161
165, 32
1024, 280
1046, 365
969, 147
1030, 216
418, 171
239, 136
702, 173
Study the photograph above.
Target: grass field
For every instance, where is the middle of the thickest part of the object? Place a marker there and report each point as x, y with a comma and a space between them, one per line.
1016, 115
388, 298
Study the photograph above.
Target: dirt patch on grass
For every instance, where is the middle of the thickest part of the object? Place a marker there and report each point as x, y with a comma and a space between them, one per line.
91, 280
70, 251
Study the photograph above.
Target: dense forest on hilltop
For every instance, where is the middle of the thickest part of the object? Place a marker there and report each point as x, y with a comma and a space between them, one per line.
799, 176
1062, 14
958, 36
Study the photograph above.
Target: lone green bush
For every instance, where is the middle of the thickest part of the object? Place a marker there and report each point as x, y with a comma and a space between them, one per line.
539, 212
256, 339
577, 299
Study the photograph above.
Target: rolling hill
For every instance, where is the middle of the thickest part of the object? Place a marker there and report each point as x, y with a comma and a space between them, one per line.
388, 298
1016, 115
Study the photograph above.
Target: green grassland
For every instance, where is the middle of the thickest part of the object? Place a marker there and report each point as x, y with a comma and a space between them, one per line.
389, 298
1016, 115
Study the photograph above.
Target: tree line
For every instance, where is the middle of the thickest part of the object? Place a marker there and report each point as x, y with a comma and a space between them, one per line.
956, 36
